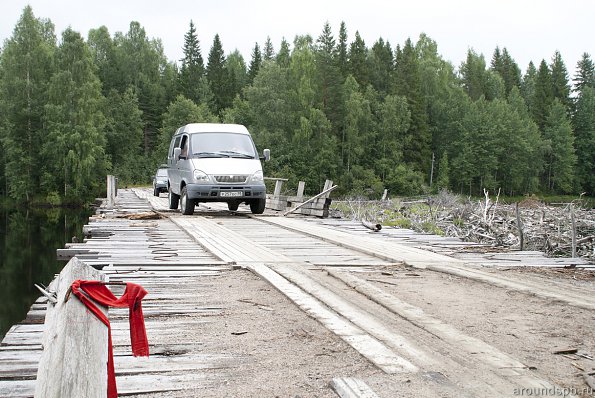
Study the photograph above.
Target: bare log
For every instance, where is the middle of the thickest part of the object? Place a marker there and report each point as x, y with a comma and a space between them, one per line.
370, 225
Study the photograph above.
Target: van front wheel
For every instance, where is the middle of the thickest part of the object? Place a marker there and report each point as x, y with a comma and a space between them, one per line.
186, 205
173, 200
257, 206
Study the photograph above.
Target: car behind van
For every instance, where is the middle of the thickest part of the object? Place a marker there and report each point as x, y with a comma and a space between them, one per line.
211, 162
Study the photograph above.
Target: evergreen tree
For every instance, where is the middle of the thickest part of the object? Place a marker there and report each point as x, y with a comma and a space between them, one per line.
504, 65
380, 66
329, 81
560, 82
283, 56
528, 87
584, 128
342, 59
585, 74
25, 70
216, 75
544, 96
358, 54
560, 159
407, 82
74, 149
522, 155
140, 62
473, 75
254, 63
512, 72
269, 51
192, 68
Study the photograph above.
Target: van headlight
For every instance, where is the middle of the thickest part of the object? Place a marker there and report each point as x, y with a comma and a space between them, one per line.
257, 177
200, 176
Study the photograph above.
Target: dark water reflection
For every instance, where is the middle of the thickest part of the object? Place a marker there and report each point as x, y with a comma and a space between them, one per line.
28, 242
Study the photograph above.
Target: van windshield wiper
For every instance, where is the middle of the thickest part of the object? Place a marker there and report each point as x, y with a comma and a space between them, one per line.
235, 154
211, 155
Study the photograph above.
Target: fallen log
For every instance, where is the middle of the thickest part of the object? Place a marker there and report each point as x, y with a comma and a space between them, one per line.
370, 225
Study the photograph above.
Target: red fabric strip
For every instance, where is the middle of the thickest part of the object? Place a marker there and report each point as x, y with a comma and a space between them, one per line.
96, 290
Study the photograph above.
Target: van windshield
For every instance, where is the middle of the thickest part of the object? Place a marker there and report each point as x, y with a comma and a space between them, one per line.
222, 145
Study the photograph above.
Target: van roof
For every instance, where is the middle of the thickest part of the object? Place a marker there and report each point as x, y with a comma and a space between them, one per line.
212, 128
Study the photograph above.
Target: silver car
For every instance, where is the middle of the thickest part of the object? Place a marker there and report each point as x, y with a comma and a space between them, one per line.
160, 181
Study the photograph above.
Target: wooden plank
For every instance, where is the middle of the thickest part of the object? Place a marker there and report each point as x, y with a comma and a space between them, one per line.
349, 387
373, 349
74, 360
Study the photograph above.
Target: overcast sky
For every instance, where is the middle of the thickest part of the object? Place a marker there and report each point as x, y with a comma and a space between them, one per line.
531, 30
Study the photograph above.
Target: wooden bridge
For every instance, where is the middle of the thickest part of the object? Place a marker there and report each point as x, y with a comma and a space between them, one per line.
243, 305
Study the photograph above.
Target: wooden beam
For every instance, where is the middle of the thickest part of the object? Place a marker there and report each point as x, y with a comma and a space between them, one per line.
74, 360
311, 199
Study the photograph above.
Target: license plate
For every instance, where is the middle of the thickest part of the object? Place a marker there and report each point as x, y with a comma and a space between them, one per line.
228, 194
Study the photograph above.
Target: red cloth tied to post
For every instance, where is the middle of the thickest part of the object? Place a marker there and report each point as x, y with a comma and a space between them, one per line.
96, 290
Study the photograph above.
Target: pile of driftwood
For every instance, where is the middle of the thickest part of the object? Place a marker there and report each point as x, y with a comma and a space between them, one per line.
558, 230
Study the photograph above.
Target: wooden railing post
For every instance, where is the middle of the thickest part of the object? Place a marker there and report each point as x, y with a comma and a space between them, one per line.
74, 358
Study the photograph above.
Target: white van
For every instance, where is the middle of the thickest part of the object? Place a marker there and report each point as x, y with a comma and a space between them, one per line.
215, 163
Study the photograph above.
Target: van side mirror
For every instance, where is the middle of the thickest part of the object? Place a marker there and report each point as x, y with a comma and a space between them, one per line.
177, 152
266, 155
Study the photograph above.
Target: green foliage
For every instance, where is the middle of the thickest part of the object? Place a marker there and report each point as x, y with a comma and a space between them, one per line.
74, 150
26, 66
180, 112
367, 118
192, 68
560, 157
584, 125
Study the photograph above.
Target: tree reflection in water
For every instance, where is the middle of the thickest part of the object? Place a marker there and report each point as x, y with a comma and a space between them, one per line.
28, 242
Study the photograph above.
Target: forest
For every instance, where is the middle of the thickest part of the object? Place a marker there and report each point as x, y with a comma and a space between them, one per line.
396, 117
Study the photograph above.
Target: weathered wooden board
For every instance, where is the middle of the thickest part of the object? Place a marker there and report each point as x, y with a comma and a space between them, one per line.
74, 360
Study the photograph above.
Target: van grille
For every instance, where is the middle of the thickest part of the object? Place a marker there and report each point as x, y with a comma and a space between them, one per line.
232, 179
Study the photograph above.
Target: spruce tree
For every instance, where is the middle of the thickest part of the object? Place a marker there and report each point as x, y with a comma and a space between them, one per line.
584, 128
473, 75
381, 66
216, 75
283, 56
560, 82
342, 60
358, 54
528, 86
560, 158
268, 52
329, 80
585, 74
544, 95
192, 68
407, 82
254, 63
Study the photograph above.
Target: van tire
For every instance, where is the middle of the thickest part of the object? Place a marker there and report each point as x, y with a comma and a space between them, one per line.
155, 192
257, 206
233, 206
186, 205
173, 199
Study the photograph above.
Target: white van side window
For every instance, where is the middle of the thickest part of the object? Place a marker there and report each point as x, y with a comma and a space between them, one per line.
184, 146
176, 144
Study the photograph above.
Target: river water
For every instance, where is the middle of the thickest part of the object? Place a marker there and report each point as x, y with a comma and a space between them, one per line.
28, 242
